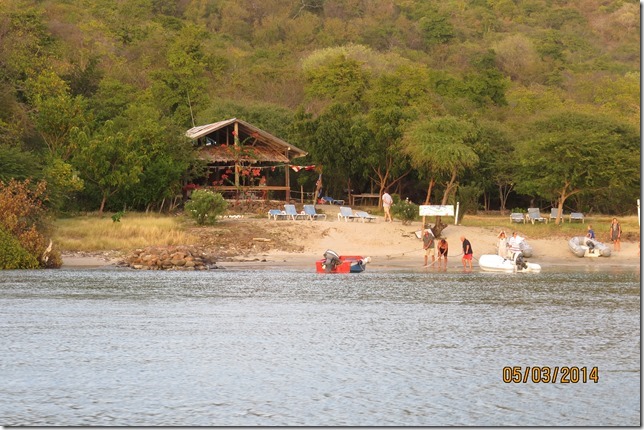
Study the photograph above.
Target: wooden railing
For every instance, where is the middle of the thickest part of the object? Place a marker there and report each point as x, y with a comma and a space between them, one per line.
364, 197
252, 192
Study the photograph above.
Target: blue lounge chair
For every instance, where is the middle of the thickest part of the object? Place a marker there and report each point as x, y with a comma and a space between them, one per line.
346, 213
517, 217
276, 214
553, 214
576, 216
291, 213
312, 214
332, 201
364, 216
534, 215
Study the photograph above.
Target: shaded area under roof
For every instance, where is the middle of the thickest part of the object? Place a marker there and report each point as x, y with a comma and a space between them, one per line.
216, 143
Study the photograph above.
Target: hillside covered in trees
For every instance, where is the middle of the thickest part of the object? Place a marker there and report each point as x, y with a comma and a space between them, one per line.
494, 103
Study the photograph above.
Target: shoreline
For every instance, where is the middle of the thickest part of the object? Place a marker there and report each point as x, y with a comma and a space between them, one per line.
391, 246
379, 263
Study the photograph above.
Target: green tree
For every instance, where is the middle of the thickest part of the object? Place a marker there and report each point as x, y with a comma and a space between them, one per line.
179, 88
63, 182
339, 140
17, 164
56, 113
108, 159
441, 148
340, 79
165, 157
570, 153
496, 152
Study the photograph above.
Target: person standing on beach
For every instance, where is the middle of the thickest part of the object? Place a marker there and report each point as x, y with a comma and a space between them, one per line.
387, 201
443, 248
503, 244
467, 253
615, 234
591, 232
429, 245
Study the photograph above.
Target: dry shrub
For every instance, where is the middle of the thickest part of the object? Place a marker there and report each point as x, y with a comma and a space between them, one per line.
22, 215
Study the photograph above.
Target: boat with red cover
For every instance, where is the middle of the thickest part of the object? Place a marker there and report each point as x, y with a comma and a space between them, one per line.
334, 263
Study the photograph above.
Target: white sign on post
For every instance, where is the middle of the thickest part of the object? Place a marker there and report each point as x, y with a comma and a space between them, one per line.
436, 210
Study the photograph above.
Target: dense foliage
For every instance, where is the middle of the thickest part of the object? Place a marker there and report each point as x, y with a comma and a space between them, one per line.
536, 102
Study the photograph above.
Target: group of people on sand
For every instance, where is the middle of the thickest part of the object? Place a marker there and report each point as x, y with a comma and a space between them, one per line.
438, 250
614, 234
509, 248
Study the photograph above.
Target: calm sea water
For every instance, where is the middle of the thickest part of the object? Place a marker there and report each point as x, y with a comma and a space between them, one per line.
110, 347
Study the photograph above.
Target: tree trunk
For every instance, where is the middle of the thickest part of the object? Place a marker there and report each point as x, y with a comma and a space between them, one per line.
439, 226
504, 193
429, 190
100, 210
448, 188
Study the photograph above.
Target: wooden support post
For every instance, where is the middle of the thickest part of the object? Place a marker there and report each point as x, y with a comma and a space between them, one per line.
287, 178
236, 140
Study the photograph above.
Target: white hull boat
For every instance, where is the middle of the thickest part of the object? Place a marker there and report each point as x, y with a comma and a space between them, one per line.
585, 247
496, 263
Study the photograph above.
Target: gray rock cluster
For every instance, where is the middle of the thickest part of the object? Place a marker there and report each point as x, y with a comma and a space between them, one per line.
170, 258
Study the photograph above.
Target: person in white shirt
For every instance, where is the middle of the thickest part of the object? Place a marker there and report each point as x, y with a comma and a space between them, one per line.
387, 201
515, 249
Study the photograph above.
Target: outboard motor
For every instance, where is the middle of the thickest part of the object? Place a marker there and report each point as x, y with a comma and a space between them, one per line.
591, 246
331, 260
518, 260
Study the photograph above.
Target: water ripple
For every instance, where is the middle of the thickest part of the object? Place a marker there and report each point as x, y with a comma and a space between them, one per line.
243, 348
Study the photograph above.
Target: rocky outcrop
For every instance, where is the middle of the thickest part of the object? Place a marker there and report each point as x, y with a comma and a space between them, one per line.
170, 258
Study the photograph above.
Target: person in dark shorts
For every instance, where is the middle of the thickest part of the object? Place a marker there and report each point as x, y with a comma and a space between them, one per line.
467, 253
442, 252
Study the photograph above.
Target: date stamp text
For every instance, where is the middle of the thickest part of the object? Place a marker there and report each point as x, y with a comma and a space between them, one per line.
550, 374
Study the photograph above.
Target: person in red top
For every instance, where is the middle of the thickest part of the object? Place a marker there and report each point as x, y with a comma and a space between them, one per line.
467, 253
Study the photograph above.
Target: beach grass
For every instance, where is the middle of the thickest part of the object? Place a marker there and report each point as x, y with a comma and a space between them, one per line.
92, 233
134, 230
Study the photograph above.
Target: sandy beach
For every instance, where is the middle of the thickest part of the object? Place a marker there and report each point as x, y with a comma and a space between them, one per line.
391, 246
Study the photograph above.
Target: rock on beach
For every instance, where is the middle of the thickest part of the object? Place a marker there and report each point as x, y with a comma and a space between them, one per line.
169, 258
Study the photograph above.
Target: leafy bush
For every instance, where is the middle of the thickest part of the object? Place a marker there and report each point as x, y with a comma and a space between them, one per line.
204, 206
13, 255
405, 211
117, 216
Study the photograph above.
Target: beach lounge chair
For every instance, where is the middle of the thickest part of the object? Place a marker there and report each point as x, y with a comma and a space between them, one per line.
312, 214
276, 214
517, 217
534, 214
364, 216
291, 213
576, 216
346, 213
332, 201
553, 214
